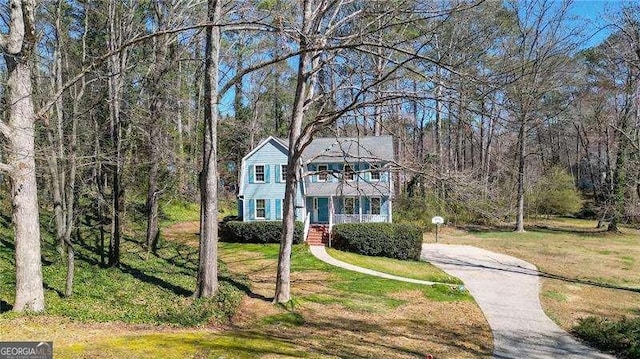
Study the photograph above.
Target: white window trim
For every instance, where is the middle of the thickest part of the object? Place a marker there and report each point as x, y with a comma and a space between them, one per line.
255, 173
353, 172
264, 208
283, 173
371, 205
326, 166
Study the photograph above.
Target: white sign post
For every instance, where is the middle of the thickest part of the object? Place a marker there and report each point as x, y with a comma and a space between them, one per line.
437, 220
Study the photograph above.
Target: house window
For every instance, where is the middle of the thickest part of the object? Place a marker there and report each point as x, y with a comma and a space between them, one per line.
349, 205
348, 173
259, 172
260, 208
375, 173
323, 173
283, 173
375, 205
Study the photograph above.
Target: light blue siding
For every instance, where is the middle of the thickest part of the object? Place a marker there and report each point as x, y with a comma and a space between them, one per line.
271, 155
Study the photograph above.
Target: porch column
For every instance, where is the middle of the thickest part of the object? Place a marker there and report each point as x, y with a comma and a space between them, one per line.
360, 208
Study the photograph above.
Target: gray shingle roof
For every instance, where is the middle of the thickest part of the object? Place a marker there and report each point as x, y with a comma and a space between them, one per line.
337, 149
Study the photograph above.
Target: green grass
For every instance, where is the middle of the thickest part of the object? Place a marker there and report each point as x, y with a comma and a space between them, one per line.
239, 344
154, 290
555, 295
408, 269
290, 319
354, 291
179, 211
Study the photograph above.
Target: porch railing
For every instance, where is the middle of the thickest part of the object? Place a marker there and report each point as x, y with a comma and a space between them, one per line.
358, 218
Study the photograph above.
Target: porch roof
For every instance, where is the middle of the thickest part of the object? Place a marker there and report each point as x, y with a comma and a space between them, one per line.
329, 189
350, 149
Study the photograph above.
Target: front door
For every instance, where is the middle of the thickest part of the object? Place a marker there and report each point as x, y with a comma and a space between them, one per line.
323, 210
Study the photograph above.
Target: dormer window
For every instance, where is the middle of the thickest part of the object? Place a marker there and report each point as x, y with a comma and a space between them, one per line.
348, 173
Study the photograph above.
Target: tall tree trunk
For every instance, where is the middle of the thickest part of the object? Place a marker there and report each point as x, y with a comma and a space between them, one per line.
207, 281
116, 67
620, 171
521, 167
17, 47
156, 112
302, 94
438, 136
153, 192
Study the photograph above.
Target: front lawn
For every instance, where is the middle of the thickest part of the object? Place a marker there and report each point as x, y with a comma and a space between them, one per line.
408, 269
144, 309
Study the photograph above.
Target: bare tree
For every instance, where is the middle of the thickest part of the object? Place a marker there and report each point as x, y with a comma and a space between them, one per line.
539, 56
207, 281
18, 47
62, 159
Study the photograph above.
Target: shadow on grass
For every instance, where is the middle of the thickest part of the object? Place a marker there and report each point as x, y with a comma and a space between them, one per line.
147, 278
244, 288
353, 338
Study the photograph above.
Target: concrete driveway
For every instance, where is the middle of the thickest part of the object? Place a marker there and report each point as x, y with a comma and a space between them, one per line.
507, 291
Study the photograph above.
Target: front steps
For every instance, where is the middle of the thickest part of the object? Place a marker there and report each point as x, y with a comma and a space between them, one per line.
318, 235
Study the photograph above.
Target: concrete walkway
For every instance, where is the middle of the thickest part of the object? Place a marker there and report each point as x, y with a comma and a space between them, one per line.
320, 253
507, 291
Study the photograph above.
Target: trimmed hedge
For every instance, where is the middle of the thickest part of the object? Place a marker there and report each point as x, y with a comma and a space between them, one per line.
393, 240
256, 232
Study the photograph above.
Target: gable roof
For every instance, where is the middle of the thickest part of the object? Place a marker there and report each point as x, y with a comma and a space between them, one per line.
329, 189
338, 149
275, 140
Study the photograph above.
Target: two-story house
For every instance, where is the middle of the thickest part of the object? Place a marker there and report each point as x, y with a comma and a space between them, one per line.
343, 180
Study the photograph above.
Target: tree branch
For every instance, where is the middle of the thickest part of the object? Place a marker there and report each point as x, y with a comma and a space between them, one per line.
101, 59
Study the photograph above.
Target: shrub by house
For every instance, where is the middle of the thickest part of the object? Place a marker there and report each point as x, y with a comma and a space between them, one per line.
256, 232
400, 241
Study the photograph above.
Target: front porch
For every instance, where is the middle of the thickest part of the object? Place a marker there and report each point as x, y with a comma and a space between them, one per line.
349, 209
359, 218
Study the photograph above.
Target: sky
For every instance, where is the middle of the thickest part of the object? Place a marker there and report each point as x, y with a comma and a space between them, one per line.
595, 14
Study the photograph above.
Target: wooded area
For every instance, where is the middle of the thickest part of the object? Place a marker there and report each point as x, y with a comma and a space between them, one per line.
498, 109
